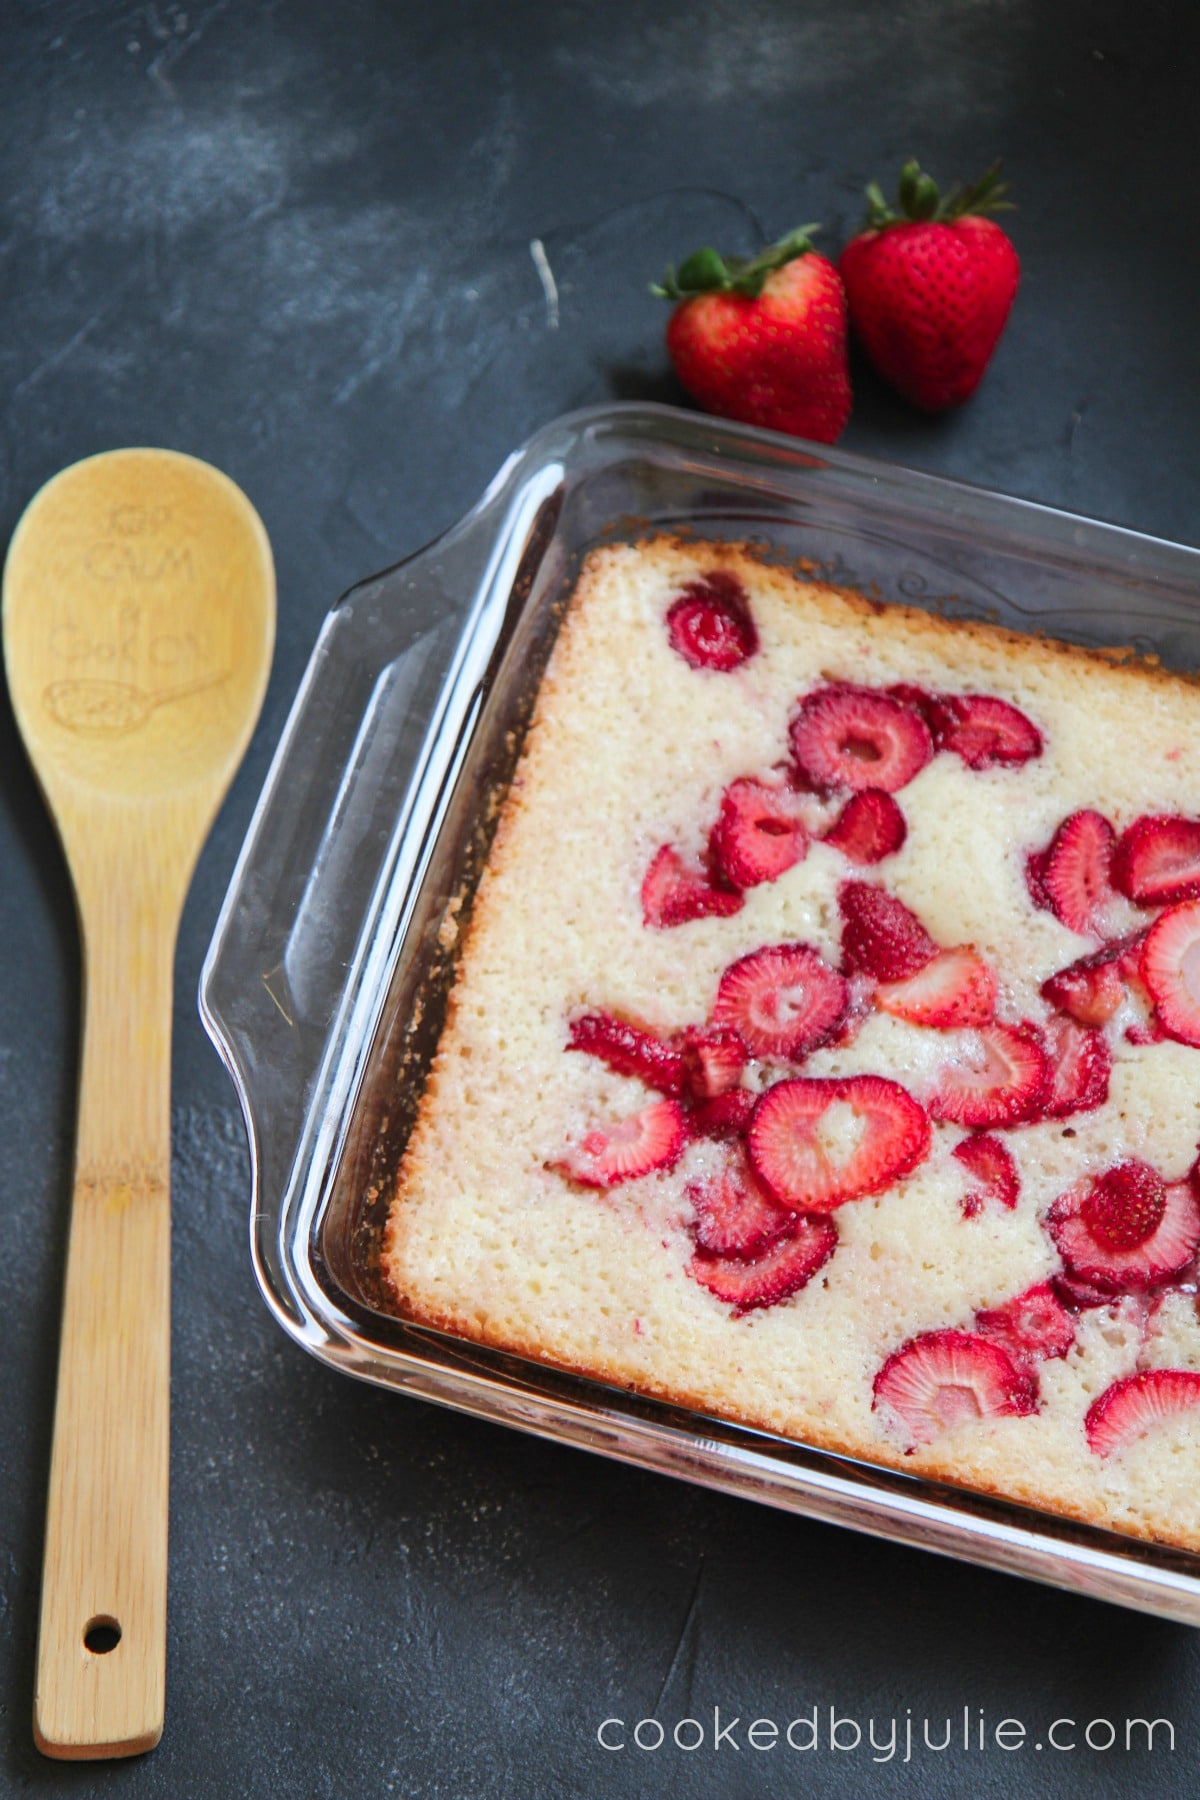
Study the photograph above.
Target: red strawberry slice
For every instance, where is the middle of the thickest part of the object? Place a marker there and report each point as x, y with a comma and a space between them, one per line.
629, 1049
713, 1058
1129, 1409
956, 988
1092, 989
1125, 1206
869, 827
1157, 862
725, 1115
1081, 1296
1170, 966
1034, 1325
944, 1378
735, 1215
1072, 877
857, 737
817, 1144
880, 936
993, 1172
986, 732
783, 1000
673, 893
1080, 1066
1109, 1269
651, 1139
710, 625
918, 698
996, 1078
759, 834
779, 1272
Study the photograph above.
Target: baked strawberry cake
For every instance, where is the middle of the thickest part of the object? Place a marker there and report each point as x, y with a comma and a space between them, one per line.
824, 1047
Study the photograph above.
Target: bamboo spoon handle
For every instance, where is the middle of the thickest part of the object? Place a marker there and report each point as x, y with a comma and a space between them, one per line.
101, 1661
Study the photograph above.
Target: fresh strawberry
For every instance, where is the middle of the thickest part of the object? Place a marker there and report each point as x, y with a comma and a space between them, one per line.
782, 1001
1092, 989
735, 1215
945, 1378
1157, 862
1072, 877
1090, 1254
776, 1274
713, 1057
957, 988
880, 936
725, 1115
817, 1144
763, 341
1080, 1064
651, 1139
674, 892
996, 1078
1034, 1325
844, 736
1170, 966
710, 625
930, 287
993, 1173
988, 733
1130, 1408
869, 827
629, 1049
760, 833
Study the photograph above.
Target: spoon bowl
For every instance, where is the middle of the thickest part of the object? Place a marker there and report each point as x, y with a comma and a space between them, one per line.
139, 620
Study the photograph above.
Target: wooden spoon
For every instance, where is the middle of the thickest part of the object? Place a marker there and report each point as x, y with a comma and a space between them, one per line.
139, 619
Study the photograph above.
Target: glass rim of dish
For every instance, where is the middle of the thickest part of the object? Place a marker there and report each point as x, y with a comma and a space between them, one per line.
374, 817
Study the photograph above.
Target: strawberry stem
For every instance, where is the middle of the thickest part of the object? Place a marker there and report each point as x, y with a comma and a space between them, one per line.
919, 199
708, 272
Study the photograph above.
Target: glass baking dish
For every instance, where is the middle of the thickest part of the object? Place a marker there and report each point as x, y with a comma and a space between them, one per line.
327, 974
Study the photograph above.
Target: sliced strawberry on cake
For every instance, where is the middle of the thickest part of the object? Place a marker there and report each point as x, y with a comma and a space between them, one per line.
1072, 876
629, 1049
1157, 861
1032, 1326
1170, 965
710, 625
947, 1378
881, 937
1126, 1228
869, 827
780, 1271
957, 988
675, 892
818, 1143
642, 1144
987, 732
783, 1000
712, 1059
734, 1213
844, 736
994, 1176
1091, 989
760, 832
996, 1076
1128, 1409
724, 1116
1080, 1064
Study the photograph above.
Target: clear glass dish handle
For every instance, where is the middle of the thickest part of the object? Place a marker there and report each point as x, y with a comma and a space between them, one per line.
371, 738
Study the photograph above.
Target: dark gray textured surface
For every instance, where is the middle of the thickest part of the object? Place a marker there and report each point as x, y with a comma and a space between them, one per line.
294, 239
